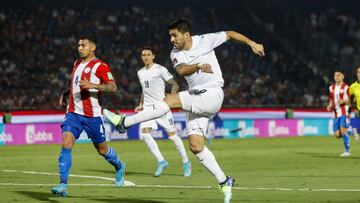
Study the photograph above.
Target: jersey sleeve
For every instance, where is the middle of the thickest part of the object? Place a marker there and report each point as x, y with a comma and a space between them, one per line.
177, 58
351, 89
216, 39
165, 74
103, 72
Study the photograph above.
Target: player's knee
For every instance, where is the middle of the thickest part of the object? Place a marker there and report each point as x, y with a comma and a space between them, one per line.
337, 134
195, 149
171, 134
102, 150
68, 140
146, 130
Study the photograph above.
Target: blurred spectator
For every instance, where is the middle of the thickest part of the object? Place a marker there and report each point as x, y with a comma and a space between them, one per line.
302, 49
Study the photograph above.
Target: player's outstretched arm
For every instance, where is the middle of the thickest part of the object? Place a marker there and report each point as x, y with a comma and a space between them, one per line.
256, 48
174, 86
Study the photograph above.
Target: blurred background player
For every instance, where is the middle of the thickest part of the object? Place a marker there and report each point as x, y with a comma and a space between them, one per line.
339, 103
355, 99
90, 76
152, 78
194, 58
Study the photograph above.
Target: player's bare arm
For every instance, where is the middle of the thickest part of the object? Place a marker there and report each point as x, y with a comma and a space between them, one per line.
140, 107
107, 87
258, 49
174, 86
330, 106
63, 98
185, 70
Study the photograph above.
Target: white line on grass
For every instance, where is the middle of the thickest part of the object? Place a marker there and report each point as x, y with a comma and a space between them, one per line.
126, 183
187, 187
130, 184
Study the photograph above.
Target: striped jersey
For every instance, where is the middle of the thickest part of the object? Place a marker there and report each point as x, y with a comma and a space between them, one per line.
338, 92
86, 101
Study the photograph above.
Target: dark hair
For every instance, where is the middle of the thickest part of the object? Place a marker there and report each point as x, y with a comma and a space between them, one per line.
339, 71
89, 36
148, 48
181, 25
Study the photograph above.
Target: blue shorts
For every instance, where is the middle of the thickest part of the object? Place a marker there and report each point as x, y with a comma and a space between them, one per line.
93, 127
340, 122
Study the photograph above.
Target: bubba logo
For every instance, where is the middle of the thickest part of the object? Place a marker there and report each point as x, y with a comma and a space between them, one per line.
40, 136
277, 130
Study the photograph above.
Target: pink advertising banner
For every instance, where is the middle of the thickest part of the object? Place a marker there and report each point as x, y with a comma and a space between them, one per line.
19, 134
276, 128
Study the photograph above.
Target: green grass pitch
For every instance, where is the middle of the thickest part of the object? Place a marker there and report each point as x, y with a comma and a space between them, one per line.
272, 170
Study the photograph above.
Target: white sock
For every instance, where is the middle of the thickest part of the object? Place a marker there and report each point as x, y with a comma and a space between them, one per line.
207, 159
153, 147
159, 109
180, 147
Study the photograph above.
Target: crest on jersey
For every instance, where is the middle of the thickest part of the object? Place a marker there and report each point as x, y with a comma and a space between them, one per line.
87, 70
174, 61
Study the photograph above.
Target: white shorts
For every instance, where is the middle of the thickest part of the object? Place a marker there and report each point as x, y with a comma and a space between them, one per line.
200, 107
166, 121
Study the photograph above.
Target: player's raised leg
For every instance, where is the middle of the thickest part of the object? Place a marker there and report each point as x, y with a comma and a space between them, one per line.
159, 109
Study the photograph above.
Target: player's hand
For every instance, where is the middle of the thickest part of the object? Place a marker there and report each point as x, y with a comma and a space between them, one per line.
329, 108
258, 49
138, 109
85, 84
205, 68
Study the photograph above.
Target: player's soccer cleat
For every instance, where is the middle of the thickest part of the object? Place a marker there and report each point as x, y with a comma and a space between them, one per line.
120, 175
60, 190
187, 169
226, 187
116, 119
160, 168
345, 154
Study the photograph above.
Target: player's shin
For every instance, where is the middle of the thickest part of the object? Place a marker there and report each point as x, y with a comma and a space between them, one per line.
64, 162
346, 141
156, 111
208, 160
180, 147
152, 145
112, 158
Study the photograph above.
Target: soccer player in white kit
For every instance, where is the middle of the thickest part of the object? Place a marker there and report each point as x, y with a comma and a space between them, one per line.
152, 78
194, 58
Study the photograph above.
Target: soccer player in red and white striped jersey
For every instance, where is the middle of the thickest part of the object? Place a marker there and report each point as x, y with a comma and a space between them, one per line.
339, 103
90, 77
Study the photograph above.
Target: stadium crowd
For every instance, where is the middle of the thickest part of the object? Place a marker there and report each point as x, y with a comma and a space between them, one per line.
39, 46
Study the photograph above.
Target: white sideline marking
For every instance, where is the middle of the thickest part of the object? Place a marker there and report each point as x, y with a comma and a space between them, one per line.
187, 186
130, 184
126, 183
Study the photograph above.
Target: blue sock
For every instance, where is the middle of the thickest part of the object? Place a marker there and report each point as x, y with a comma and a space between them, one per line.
346, 140
112, 158
64, 164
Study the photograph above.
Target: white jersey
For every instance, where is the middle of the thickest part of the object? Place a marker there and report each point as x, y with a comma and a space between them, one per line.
153, 83
202, 51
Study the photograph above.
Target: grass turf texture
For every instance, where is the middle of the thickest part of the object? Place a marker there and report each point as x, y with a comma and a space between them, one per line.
295, 163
